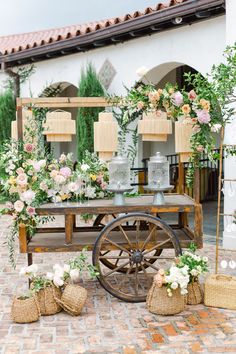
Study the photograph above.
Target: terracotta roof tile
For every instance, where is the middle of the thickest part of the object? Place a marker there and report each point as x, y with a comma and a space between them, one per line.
24, 41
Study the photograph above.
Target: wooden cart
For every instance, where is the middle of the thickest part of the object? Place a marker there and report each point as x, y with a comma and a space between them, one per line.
129, 248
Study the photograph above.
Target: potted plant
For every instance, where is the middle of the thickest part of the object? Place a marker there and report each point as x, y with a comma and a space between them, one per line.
74, 296
167, 294
196, 265
45, 288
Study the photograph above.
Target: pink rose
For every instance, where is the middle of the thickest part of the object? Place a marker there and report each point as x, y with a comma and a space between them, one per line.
104, 185
203, 116
28, 147
65, 172
177, 98
28, 196
22, 179
140, 105
30, 210
9, 205
192, 95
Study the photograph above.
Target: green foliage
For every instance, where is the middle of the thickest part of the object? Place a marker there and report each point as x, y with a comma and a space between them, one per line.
89, 86
81, 263
7, 114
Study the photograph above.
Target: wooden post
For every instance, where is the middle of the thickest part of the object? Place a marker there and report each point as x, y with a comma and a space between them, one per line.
19, 119
181, 177
69, 222
23, 239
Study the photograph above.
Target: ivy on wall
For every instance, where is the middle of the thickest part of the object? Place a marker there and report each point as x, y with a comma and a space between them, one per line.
89, 86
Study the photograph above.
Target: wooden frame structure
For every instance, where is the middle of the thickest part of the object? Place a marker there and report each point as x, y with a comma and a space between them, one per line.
130, 239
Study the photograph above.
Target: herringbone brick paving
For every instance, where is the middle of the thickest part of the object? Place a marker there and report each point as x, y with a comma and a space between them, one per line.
108, 325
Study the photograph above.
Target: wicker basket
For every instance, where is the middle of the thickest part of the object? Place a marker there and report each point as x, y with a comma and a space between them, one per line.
25, 310
195, 293
160, 303
46, 299
220, 291
73, 299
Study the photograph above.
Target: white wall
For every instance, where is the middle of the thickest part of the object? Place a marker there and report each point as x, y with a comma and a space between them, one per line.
194, 45
229, 237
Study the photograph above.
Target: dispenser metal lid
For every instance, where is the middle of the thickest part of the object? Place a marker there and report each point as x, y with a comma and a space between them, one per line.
158, 157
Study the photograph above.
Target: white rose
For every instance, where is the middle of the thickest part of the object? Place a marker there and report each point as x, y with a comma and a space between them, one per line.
66, 268
18, 206
101, 195
90, 192
49, 276
142, 71
183, 291
57, 281
84, 167
174, 285
74, 275
205, 259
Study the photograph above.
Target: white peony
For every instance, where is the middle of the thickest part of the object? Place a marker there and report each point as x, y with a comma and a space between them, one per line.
74, 275
19, 206
28, 196
84, 167
142, 71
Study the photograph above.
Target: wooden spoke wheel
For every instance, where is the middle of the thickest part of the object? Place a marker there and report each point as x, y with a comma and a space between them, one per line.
130, 248
100, 221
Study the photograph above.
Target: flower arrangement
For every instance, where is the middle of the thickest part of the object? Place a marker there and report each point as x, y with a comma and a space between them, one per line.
61, 274
173, 278
196, 264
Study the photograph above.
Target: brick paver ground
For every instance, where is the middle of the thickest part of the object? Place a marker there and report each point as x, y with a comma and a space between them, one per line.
108, 325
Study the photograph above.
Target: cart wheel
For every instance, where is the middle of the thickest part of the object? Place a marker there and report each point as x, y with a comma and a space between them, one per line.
99, 221
131, 248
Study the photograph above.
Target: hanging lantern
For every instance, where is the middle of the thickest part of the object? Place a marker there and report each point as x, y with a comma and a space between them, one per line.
28, 120
105, 136
155, 126
183, 133
59, 126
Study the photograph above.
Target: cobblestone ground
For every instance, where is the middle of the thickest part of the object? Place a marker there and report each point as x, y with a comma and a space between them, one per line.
108, 325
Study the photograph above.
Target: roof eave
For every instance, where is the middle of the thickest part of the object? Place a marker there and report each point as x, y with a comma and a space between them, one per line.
147, 24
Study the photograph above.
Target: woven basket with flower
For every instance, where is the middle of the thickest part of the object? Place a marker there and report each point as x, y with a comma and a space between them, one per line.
197, 265
166, 296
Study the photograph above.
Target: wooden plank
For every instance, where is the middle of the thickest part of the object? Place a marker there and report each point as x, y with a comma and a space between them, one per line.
19, 123
60, 102
56, 242
198, 233
69, 228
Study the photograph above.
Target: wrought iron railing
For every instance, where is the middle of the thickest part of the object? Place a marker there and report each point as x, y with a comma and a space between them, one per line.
209, 173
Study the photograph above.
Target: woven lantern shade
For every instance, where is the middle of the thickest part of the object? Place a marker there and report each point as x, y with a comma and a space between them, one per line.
28, 119
59, 126
183, 133
154, 126
105, 136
